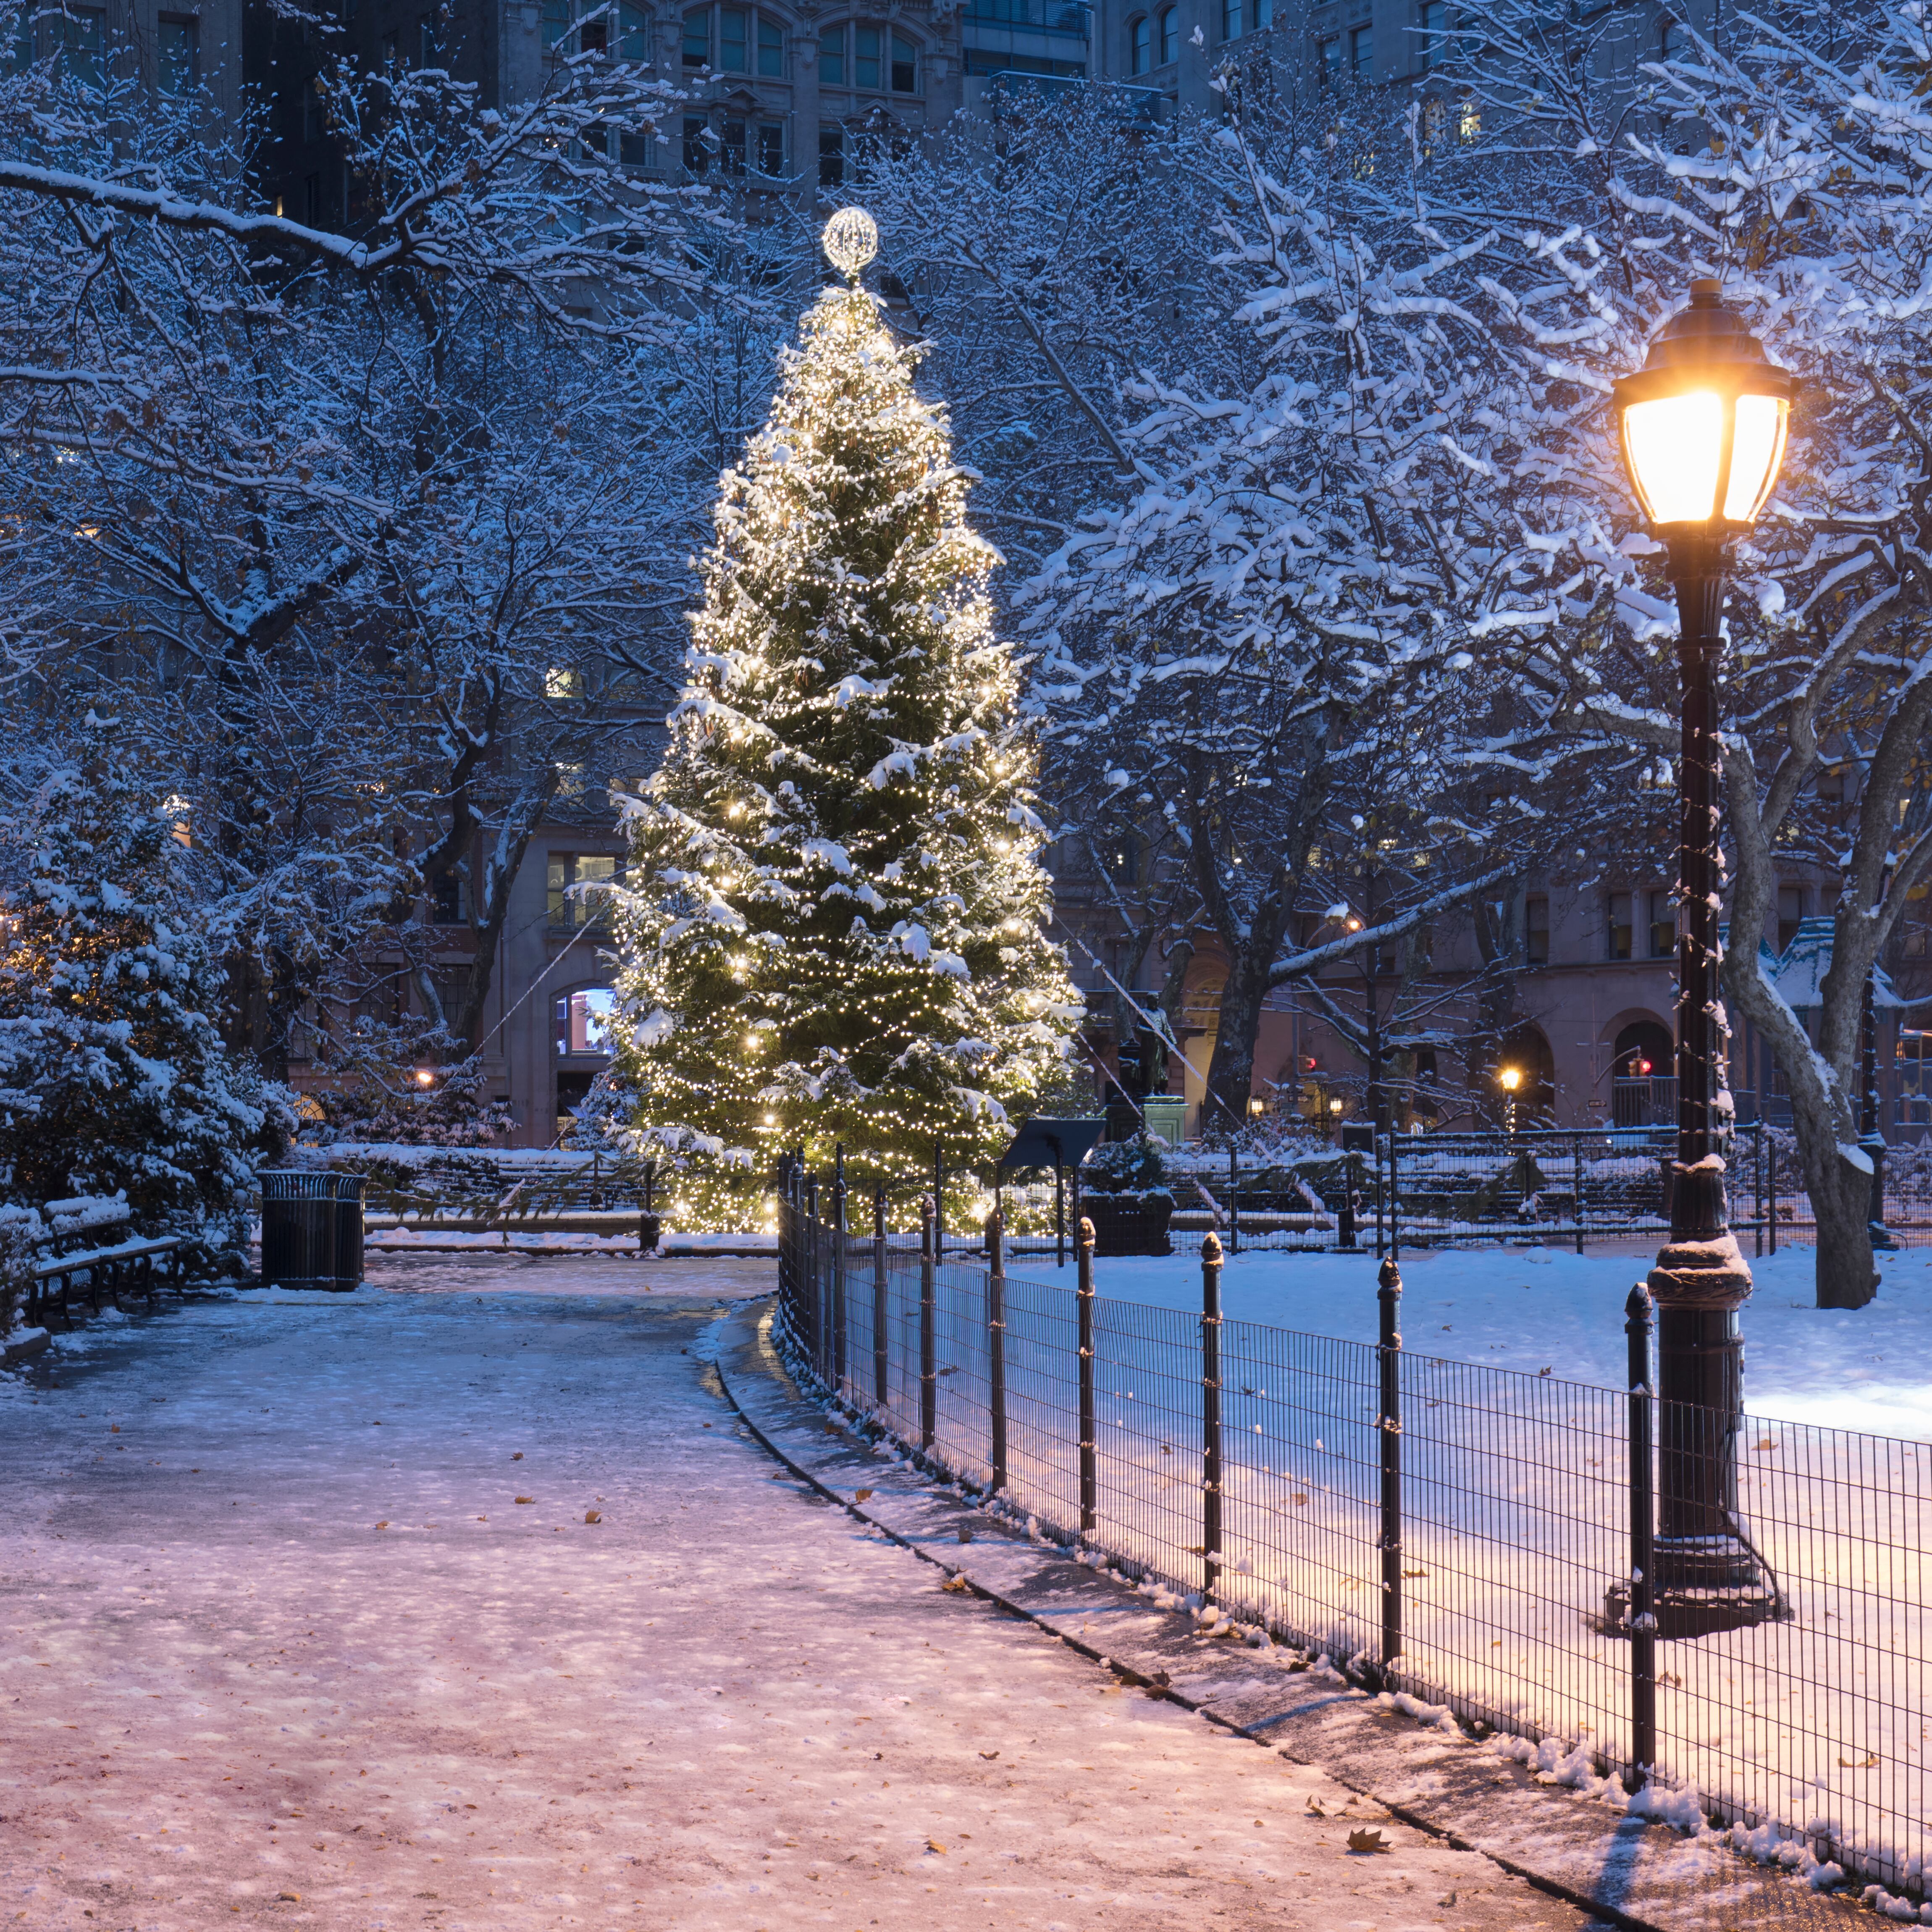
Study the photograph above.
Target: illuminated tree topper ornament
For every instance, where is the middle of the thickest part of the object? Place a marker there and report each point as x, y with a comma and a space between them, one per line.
851, 240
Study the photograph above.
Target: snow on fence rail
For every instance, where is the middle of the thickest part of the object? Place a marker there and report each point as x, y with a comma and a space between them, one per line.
1483, 1573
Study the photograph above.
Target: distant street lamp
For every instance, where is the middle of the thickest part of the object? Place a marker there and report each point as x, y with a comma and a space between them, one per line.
1509, 1078
1704, 424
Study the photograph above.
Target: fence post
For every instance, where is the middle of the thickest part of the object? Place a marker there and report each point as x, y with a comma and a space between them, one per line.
1211, 1418
1757, 1189
813, 1286
928, 1379
838, 1267
783, 1189
996, 1345
1378, 1157
1233, 1200
1577, 1188
939, 1198
1641, 1615
1090, 1472
879, 1318
1395, 1202
1346, 1220
1389, 1423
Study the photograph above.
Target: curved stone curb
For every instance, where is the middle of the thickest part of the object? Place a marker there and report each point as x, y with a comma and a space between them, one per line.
1629, 1873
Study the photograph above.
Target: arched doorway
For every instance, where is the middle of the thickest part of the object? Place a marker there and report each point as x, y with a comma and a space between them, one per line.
1526, 1051
1643, 1081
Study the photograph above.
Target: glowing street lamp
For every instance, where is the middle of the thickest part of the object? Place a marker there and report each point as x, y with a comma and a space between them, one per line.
1509, 1078
1703, 425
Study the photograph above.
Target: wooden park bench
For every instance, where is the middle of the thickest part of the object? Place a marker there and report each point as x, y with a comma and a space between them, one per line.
113, 1266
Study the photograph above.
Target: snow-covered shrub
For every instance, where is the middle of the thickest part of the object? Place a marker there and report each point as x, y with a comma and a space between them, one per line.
113, 1079
20, 1228
1137, 1166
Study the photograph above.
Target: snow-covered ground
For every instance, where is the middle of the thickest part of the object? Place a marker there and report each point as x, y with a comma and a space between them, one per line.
1533, 1308
279, 1641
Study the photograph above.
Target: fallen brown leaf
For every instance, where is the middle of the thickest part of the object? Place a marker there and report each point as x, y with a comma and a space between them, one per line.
934, 1845
1864, 1763
956, 1583
518, 1457
593, 1515
1368, 1841
989, 1756
383, 1525
527, 1499
862, 1496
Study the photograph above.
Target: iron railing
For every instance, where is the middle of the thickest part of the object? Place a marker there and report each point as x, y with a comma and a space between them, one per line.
1474, 1537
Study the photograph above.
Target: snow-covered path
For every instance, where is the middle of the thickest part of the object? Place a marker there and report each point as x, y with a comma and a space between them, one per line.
279, 1642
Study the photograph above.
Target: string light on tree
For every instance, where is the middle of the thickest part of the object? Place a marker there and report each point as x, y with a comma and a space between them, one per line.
835, 926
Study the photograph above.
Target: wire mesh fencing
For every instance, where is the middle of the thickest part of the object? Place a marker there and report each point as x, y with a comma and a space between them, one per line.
1502, 1544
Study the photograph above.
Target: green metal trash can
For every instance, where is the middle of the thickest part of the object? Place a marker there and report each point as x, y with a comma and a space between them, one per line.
311, 1229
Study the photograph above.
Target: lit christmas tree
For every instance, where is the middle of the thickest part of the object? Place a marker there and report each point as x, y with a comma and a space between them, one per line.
833, 928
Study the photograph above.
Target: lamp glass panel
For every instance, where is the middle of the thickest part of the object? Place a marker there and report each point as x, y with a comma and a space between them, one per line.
1675, 443
1755, 454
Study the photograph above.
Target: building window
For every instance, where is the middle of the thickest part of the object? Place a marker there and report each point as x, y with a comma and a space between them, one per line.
832, 66
1231, 19
1123, 859
430, 48
311, 104
1913, 1085
634, 32
177, 56
1362, 52
866, 58
81, 33
555, 22
583, 1021
734, 46
699, 143
1170, 36
831, 156
1617, 926
697, 37
1674, 40
635, 150
771, 147
1790, 911
1468, 122
771, 49
1141, 42
731, 148
1329, 53
1536, 930
568, 870
1663, 924
445, 899
392, 48
905, 65
1432, 20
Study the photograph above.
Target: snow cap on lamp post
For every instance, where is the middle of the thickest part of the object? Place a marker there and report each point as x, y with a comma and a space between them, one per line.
850, 240
1704, 420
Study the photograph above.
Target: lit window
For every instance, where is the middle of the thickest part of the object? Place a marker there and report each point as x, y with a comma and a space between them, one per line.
831, 60
561, 681
771, 48
1663, 924
1170, 36
584, 1020
1617, 927
865, 57
1468, 122
567, 871
1143, 43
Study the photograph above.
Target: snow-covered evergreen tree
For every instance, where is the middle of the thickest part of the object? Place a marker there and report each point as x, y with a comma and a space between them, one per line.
113, 1079
833, 930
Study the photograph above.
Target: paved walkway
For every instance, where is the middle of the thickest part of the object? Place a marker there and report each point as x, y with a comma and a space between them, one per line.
462, 1604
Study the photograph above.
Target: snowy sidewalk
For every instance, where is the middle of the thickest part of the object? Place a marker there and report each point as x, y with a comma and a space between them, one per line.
281, 1644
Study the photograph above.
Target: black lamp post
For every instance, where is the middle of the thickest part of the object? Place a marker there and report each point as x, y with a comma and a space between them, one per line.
1703, 425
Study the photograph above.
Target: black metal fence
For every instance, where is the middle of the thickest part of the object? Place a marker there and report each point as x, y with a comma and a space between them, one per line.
1548, 1186
1475, 1538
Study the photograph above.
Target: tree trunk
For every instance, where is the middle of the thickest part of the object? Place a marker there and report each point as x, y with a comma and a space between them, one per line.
1840, 1191
1231, 1074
